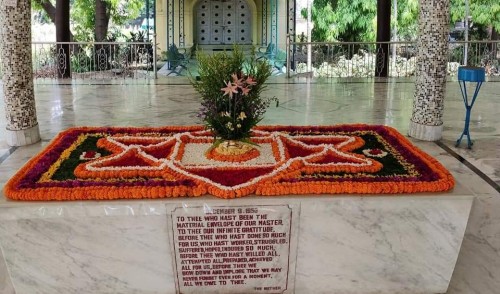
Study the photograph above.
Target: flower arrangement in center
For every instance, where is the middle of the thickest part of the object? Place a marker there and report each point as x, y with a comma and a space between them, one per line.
231, 85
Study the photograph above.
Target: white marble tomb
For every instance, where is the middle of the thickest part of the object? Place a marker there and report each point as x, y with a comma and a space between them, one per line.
346, 244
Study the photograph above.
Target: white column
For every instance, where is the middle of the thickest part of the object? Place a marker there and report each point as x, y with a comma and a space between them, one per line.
15, 47
428, 103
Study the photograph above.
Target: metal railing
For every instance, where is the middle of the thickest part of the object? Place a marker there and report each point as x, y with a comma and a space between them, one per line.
93, 61
477, 53
136, 61
359, 59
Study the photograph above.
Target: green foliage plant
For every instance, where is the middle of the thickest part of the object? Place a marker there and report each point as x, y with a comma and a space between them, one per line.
483, 13
356, 20
231, 86
83, 15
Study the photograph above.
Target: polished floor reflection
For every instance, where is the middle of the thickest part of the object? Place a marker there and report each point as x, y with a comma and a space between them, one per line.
304, 102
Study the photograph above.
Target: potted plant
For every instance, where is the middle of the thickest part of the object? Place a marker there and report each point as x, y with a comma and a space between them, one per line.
230, 86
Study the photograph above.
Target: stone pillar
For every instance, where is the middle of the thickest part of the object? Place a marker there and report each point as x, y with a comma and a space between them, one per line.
428, 102
383, 35
15, 48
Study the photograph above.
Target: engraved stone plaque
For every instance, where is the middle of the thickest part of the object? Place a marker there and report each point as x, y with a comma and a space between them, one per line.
234, 249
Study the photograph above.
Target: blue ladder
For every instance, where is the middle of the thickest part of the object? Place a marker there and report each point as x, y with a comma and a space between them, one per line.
475, 75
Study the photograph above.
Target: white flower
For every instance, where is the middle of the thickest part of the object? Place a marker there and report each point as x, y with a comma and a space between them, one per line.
88, 155
238, 126
242, 116
375, 153
229, 125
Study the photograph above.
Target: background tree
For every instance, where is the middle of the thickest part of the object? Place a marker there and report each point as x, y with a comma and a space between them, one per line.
356, 20
97, 15
485, 16
484, 23
407, 22
101, 15
85, 25
46, 13
343, 20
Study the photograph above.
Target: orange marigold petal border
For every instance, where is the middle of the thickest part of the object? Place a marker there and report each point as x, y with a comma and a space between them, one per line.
290, 160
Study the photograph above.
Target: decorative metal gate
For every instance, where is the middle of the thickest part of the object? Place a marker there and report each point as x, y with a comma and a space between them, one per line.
223, 22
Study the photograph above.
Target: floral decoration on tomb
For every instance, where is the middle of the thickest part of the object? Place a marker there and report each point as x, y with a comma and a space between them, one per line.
173, 162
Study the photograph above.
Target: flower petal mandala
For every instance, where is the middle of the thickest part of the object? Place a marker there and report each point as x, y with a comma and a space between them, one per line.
173, 162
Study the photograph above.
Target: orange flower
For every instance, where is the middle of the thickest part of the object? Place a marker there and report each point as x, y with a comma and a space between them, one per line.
298, 164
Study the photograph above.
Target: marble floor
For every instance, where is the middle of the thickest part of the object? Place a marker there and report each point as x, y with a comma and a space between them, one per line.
304, 102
